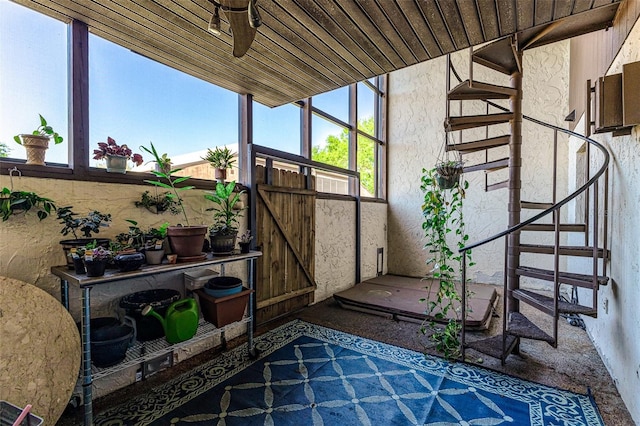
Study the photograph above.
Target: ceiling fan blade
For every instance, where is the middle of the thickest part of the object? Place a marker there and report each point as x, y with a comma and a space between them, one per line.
241, 31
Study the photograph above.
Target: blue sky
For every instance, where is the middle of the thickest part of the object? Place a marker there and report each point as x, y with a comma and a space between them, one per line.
132, 99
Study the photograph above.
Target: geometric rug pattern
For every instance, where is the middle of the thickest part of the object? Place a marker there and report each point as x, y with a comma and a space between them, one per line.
312, 375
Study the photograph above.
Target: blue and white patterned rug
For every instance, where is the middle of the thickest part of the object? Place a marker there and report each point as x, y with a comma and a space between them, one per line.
312, 375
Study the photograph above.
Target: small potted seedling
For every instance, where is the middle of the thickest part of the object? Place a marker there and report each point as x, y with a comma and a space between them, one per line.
36, 143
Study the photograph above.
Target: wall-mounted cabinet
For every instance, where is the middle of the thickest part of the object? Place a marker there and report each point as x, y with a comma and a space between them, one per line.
617, 101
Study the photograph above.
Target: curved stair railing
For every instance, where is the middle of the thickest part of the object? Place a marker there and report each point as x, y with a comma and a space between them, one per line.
555, 209
515, 325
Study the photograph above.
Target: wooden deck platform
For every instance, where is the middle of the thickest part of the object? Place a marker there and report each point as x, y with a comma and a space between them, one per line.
399, 297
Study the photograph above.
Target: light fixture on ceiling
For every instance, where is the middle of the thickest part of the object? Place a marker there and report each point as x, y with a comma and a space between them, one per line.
242, 29
214, 22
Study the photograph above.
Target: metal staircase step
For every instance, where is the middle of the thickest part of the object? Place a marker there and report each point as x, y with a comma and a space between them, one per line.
534, 205
545, 304
582, 251
571, 278
492, 346
520, 326
453, 124
479, 145
496, 186
477, 90
490, 166
550, 227
499, 56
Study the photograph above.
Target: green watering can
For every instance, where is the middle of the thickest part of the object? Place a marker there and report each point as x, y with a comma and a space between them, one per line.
181, 320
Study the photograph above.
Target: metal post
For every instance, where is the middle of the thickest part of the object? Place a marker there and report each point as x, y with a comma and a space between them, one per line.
87, 378
251, 308
515, 167
64, 293
464, 304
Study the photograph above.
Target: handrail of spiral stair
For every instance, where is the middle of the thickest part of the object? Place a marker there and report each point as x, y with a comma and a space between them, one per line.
560, 203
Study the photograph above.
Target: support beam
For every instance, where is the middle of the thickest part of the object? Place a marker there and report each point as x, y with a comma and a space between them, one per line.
515, 185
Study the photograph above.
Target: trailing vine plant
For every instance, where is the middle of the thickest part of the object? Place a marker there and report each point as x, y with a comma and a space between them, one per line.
443, 224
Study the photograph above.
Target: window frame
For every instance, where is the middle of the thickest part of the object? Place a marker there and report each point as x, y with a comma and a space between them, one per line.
78, 167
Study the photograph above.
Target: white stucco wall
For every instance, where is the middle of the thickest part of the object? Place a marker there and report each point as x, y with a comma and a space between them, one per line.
335, 243
416, 135
616, 330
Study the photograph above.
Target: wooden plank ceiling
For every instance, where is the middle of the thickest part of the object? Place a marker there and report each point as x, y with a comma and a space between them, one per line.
306, 47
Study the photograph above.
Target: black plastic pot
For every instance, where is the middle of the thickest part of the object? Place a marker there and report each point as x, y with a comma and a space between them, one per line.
148, 328
109, 345
129, 261
95, 268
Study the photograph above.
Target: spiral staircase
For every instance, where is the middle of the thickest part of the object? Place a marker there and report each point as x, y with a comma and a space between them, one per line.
501, 153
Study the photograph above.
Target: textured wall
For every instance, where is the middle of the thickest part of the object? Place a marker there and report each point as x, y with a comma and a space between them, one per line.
416, 136
335, 243
615, 332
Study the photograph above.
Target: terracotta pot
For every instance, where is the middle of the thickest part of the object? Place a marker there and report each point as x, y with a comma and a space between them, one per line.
36, 147
221, 175
187, 241
116, 164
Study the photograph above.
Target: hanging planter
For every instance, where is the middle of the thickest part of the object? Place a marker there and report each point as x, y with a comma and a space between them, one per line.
448, 174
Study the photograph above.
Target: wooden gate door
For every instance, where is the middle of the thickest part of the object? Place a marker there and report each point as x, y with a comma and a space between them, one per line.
286, 235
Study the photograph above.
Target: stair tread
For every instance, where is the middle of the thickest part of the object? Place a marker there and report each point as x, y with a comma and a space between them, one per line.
584, 251
546, 303
479, 145
498, 185
470, 121
488, 166
564, 276
535, 205
521, 326
492, 346
476, 90
498, 56
550, 227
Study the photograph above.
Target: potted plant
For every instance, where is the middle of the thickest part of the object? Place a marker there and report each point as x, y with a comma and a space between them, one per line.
185, 241
245, 241
448, 173
13, 202
154, 244
222, 234
443, 216
220, 159
86, 226
95, 259
158, 203
36, 143
116, 155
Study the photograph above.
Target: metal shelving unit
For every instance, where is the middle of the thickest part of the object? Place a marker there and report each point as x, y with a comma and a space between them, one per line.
145, 351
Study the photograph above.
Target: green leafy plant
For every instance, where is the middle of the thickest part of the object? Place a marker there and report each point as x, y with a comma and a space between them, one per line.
166, 178
226, 210
443, 216
12, 202
88, 225
158, 203
43, 129
220, 158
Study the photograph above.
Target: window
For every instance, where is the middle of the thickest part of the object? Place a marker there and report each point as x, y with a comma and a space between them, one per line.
332, 138
277, 128
136, 101
33, 78
334, 103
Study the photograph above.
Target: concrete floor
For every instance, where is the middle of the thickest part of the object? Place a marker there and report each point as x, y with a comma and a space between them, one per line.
574, 365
